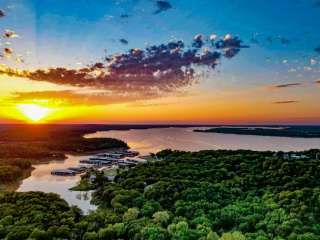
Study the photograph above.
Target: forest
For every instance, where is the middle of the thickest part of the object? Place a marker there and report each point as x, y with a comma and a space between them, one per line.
206, 195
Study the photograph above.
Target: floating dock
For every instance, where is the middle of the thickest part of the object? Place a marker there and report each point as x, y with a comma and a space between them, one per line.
63, 172
120, 159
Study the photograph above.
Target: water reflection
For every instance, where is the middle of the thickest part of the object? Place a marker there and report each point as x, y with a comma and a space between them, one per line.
42, 180
153, 140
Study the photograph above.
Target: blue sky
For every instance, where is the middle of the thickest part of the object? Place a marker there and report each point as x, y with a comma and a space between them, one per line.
282, 35
80, 31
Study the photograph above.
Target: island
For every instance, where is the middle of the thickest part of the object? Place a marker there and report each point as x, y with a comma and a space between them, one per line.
274, 131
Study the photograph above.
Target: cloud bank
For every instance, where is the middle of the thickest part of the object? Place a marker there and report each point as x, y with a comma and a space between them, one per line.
143, 73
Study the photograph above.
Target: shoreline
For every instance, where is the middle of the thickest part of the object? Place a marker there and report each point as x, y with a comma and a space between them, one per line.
289, 132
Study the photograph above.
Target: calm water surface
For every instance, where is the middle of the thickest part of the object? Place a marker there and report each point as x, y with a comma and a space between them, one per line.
42, 180
152, 140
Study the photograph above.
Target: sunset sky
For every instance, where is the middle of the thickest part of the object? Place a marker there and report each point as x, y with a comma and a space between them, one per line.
148, 61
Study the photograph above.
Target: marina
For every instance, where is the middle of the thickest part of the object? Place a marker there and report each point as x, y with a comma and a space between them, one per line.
114, 159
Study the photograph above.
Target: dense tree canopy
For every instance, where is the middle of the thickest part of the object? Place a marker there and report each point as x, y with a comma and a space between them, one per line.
206, 195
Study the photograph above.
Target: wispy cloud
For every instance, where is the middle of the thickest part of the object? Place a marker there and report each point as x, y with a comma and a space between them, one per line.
162, 6
139, 104
287, 85
286, 102
68, 97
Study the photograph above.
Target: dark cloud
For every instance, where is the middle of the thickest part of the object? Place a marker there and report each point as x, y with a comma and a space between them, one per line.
198, 41
287, 85
123, 41
150, 72
7, 52
124, 16
286, 102
230, 45
2, 13
162, 6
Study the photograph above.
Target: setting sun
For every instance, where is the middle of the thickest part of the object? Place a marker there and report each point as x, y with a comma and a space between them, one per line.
34, 112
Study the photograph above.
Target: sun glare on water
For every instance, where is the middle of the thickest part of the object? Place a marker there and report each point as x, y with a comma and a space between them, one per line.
34, 112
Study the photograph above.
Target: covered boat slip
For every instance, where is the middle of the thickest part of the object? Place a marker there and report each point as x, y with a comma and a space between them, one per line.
120, 159
63, 172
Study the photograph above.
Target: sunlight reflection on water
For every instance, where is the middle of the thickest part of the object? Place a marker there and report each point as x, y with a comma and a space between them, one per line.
42, 180
156, 139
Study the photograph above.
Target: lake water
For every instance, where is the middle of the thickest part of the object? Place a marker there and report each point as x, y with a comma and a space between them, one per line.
42, 180
153, 140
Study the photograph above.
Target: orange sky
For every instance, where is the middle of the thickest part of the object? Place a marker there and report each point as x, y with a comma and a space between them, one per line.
223, 106
76, 62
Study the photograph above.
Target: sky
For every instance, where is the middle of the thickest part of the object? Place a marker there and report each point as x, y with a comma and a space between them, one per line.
170, 61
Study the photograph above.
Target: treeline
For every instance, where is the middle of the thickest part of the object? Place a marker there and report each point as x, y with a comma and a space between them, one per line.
289, 131
206, 195
11, 170
46, 142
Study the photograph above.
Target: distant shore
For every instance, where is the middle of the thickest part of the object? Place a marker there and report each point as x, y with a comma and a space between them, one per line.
285, 131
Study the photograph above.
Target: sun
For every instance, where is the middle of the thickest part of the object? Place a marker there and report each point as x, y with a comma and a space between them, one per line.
34, 112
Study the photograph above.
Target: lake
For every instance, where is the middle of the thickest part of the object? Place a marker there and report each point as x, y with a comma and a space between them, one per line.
42, 180
153, 140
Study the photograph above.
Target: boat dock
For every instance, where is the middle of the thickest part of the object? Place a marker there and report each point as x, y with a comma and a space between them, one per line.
63, 172
119, 158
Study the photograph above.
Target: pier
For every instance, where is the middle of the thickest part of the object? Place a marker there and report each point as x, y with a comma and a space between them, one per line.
122, 159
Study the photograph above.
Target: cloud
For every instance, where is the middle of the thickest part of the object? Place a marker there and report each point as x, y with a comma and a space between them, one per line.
287, 85
151, 72
7, 52
286, 102
10, 34
2, 13
123, 41
139, 104
124, 16
69, 97
162, 6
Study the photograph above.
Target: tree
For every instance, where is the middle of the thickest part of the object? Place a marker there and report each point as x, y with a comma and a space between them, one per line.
233, 236
131, 214
153, 232
161, 217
